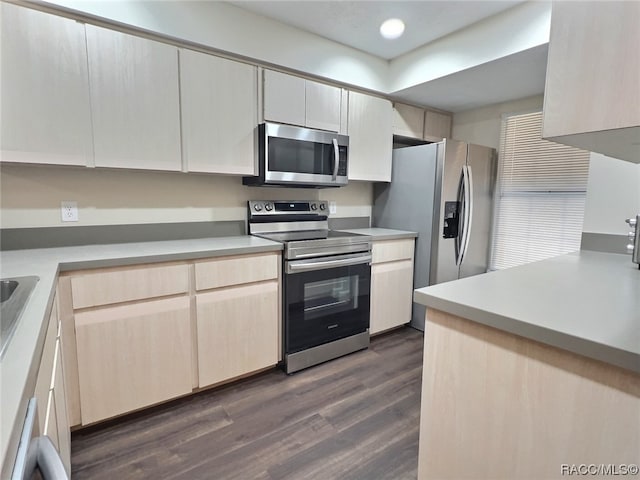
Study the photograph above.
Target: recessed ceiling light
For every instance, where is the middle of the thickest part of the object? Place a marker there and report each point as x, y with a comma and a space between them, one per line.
392, 28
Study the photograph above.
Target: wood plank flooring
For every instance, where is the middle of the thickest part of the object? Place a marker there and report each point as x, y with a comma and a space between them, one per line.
356, 417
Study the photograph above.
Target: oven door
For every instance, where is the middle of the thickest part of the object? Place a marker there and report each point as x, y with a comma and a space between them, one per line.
326, 299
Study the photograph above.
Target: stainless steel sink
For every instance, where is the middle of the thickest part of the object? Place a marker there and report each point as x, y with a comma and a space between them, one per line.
14, 294
7, 287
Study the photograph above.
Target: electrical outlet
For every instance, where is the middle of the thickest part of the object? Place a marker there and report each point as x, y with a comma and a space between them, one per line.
333, 208
69, 211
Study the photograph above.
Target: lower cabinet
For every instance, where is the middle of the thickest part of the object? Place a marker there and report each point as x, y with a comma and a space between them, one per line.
132, 356
50, 392
237, 331
199, 324
391, 284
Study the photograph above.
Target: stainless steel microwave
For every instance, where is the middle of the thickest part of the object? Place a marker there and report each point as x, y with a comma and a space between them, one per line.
300, 157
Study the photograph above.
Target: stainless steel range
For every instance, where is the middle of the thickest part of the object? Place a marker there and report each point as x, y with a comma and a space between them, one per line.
326, 281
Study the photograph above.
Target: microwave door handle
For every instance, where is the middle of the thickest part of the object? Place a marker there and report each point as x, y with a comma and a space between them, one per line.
336, 158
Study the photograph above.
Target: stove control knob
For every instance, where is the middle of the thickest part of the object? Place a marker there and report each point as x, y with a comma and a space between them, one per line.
257, 207
314, 206
268, 207
323, 206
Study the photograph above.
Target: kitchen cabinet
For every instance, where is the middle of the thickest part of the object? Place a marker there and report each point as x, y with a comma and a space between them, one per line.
370, 137
237, 331
46, 117
132, 356
297, 101
499, 405
437, 125
132, 336
115, 285
238, 322
391, 284
134, 101
139, 335
50, 391
592, 100
423, 124
219, 107
408, 121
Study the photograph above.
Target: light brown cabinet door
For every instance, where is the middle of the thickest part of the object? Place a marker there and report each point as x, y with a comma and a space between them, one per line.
132, 356
219, 106
284, 98
62, 419
591, 95
436, 126
408, 121
237, 331
323, 106
46, 117
391, 295
370, 138
45, 378
135, 104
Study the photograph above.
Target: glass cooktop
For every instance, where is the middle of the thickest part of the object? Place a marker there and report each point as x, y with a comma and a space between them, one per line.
306, 235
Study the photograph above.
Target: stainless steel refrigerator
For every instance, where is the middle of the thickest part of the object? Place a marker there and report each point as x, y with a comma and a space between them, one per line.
444, 192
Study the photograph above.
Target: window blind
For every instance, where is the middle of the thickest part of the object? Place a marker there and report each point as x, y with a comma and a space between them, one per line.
540, 195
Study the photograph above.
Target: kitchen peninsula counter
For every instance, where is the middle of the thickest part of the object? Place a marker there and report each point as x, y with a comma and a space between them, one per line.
533, 372
585, 302
19, 365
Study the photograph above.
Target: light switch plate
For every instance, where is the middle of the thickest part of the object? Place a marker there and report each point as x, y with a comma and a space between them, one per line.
333, 208
69, 211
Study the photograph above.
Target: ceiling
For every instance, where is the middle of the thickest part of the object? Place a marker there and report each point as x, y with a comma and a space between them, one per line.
356, 24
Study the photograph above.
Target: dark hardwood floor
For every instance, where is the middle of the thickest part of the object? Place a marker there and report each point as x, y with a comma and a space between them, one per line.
356, 417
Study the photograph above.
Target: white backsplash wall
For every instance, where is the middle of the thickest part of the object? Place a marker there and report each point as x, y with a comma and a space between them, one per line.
30, 196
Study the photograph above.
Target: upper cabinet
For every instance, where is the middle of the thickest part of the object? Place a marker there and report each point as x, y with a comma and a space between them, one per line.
437, 125
45, 110
134, 101
219, 104
419, 123
408, 121
297, 101
370, 138
592, 99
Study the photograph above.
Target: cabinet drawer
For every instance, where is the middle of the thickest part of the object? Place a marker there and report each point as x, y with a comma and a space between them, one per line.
133, 356
235, 270
126, 284
45, 378
392, 250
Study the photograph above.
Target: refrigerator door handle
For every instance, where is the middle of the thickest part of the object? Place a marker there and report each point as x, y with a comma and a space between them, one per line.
467, 211
461, 216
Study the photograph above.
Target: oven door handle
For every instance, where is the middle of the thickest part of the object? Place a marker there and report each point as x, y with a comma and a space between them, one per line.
307, 266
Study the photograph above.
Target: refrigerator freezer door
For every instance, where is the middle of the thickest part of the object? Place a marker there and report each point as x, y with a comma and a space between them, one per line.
481, 162
407, 204
452, 156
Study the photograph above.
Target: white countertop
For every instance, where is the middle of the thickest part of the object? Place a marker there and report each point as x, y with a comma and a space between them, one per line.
584, 302
21, 360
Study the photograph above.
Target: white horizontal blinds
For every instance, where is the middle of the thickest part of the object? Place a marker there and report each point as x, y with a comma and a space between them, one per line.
540, 195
